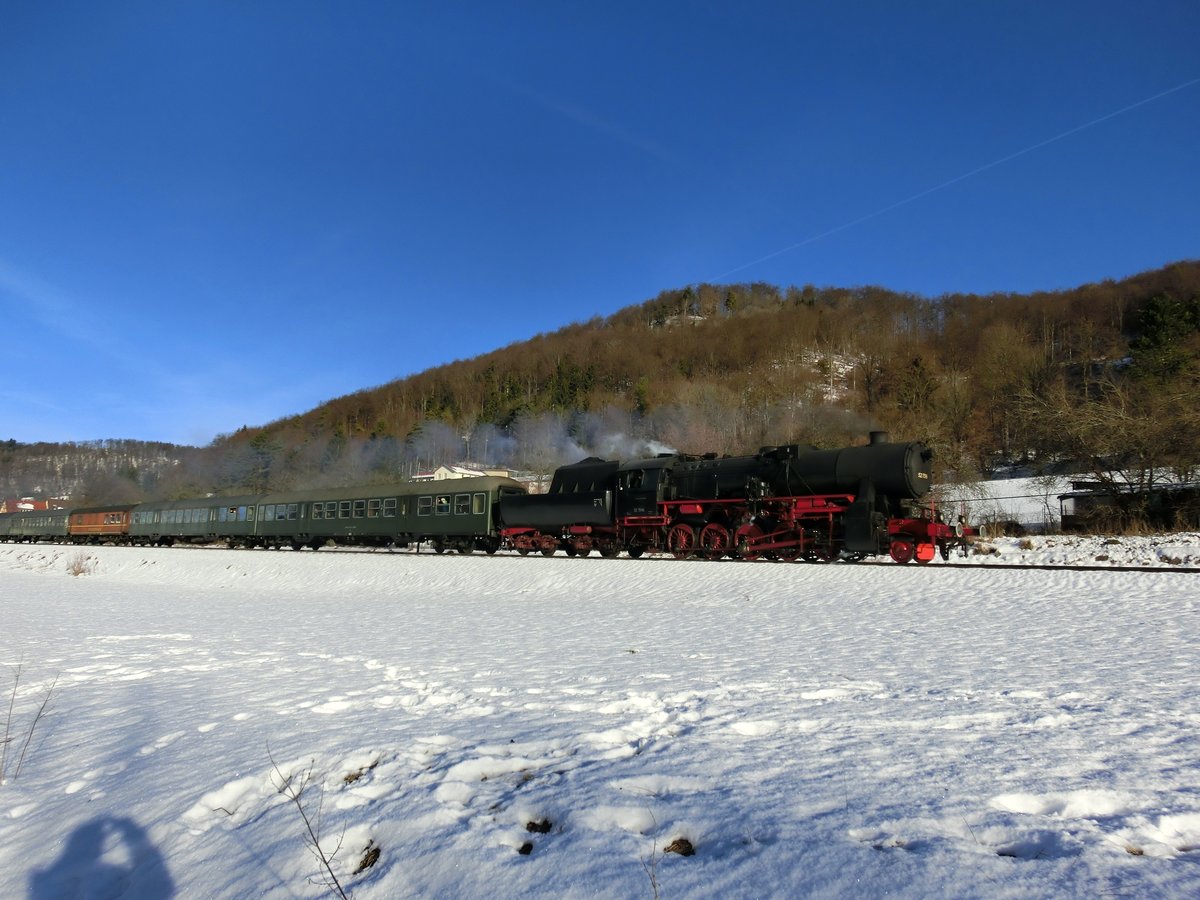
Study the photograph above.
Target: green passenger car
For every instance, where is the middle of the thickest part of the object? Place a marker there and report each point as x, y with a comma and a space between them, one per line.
34, 525
200, 521
456, 514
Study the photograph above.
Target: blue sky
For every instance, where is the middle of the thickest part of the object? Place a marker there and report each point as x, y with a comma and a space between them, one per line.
216, 214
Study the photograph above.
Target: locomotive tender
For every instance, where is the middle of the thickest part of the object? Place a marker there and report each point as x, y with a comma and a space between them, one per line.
782, 503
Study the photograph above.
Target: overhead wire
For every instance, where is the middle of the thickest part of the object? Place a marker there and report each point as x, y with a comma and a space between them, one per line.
958, 178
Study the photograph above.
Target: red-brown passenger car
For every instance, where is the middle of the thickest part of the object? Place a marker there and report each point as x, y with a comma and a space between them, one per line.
99, 524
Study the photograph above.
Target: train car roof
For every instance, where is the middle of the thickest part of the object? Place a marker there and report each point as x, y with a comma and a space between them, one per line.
201, 502
395, 489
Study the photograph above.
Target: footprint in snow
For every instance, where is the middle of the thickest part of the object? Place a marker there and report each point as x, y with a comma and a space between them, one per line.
165, 741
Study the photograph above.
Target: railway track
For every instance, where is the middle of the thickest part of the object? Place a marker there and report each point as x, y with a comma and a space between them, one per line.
936, 565
1194, 570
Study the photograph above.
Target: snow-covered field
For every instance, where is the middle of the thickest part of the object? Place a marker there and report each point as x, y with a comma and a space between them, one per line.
807, 730
1158, 550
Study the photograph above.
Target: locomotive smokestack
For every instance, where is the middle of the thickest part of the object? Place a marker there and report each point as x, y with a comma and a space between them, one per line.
879, 437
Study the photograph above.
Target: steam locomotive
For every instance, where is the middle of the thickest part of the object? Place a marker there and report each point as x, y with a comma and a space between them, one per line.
783, 503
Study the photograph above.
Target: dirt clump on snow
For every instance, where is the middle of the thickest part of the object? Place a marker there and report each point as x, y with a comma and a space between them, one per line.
682, 846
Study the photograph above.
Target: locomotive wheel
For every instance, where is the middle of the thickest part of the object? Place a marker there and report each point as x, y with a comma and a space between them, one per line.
681, 541
714, 541
524, 551
747, 535
635, 551
902, 551
548, 551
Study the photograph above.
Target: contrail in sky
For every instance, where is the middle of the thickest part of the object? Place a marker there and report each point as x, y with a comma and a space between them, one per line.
945, 184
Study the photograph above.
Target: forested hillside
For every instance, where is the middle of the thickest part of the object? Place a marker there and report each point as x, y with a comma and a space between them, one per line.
109, 470
1105, 374
1103, 370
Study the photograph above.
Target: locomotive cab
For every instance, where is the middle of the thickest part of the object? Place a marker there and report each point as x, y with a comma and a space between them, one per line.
641, 486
